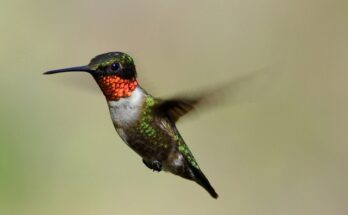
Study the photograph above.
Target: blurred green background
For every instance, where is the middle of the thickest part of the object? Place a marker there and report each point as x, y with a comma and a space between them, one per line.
280, 148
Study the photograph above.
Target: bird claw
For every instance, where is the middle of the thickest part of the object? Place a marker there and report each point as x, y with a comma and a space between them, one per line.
155, 165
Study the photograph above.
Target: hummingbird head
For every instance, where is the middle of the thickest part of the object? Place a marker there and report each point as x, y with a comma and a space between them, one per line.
114, 72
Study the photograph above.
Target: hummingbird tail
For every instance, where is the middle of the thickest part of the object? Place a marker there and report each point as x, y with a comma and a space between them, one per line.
200, 178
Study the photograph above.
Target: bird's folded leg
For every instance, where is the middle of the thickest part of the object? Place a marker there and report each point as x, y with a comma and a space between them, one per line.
154, 165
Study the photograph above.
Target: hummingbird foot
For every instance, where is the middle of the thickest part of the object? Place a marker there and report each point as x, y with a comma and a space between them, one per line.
155, 165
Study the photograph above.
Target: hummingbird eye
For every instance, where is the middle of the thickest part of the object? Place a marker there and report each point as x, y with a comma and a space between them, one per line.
115, 66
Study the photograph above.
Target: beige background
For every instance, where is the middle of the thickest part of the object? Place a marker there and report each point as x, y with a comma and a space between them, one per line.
279, 148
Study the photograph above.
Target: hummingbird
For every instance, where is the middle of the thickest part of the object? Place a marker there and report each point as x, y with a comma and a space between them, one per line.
145, 123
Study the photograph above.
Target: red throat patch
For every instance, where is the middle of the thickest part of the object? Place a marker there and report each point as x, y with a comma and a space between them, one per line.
115, 87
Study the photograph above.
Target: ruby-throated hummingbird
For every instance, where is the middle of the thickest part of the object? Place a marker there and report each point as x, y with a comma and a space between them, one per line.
145, 123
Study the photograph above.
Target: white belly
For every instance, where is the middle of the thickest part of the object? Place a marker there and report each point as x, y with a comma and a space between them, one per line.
125, 111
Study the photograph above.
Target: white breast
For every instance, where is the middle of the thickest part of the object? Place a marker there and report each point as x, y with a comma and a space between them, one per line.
126, 110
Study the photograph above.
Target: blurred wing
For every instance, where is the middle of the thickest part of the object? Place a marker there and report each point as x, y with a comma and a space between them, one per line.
177, 107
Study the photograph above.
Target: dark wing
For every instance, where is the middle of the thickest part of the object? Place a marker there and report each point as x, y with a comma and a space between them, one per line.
177, 107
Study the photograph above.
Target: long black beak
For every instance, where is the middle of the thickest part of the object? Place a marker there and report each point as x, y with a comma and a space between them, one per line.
71, 69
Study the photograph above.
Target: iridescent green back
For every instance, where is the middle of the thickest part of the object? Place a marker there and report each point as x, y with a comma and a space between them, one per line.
165, 137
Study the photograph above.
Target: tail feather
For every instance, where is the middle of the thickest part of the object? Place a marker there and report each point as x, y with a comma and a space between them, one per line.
200, 178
